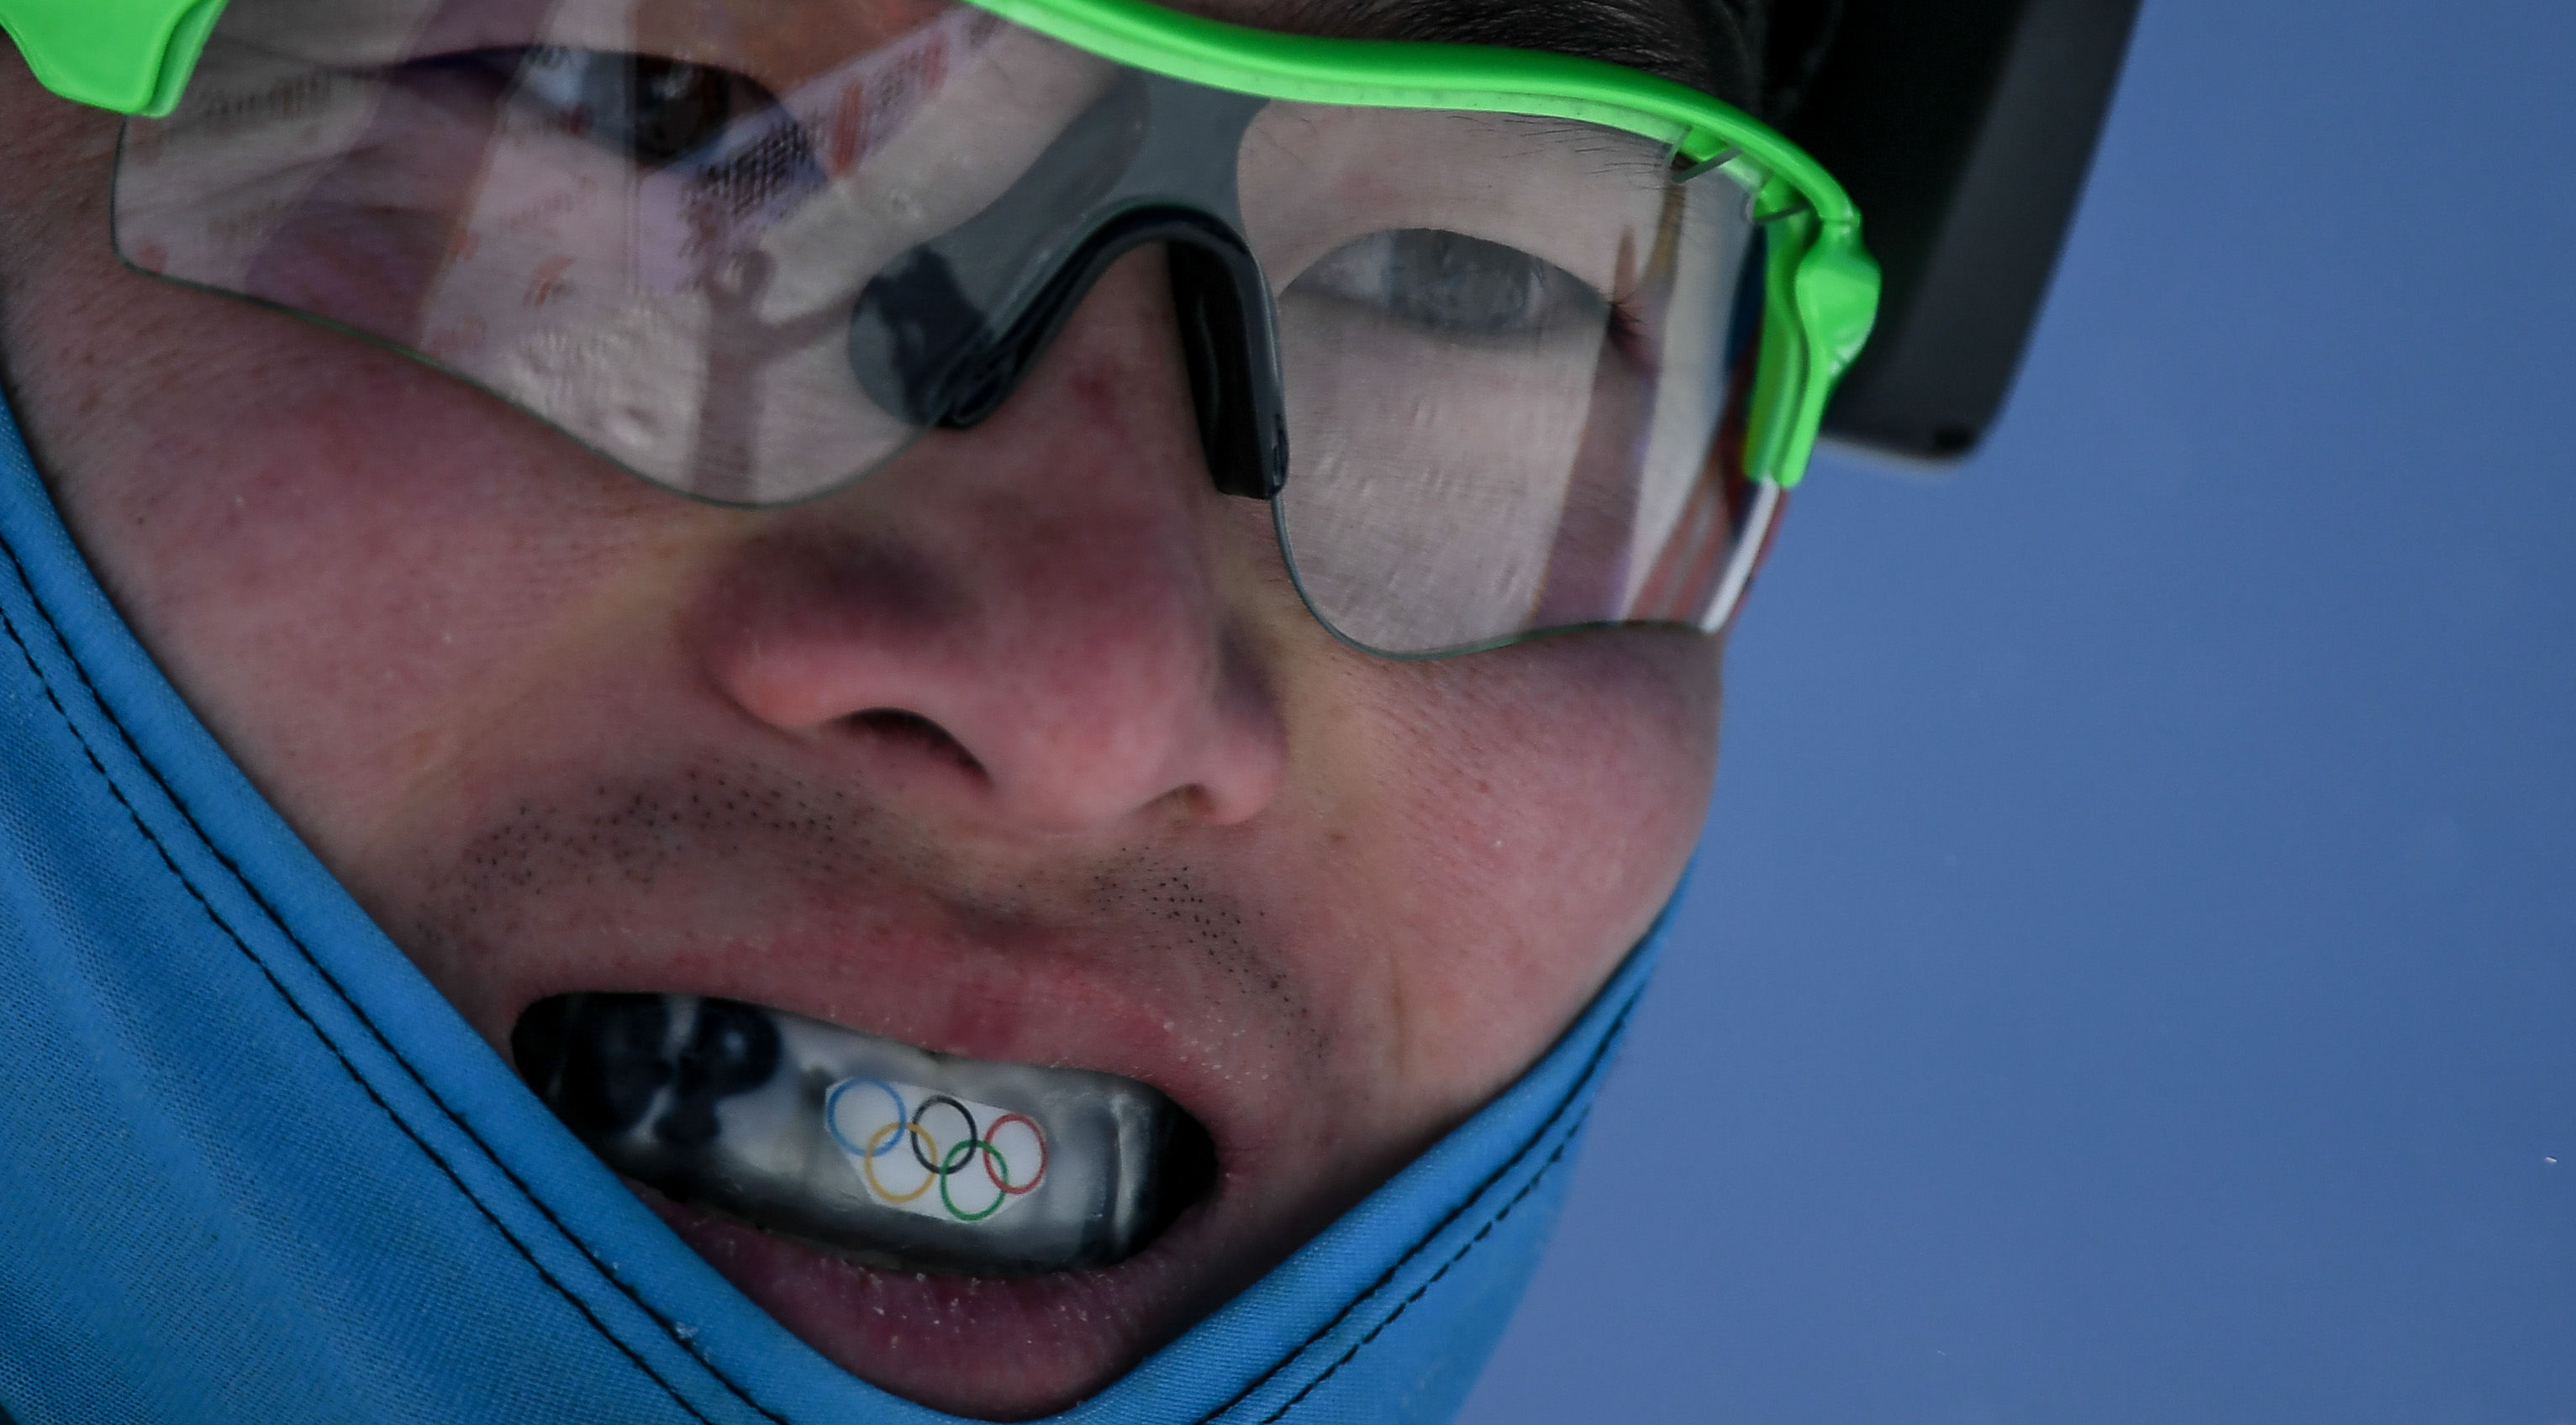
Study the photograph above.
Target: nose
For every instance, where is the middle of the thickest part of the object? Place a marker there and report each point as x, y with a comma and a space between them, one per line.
1030, 625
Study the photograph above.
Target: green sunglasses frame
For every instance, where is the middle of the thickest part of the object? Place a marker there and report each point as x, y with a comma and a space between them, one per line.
1821, 286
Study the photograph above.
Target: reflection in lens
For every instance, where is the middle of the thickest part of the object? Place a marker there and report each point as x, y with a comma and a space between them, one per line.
1484, 448
1457, 285
658, 256
652, 110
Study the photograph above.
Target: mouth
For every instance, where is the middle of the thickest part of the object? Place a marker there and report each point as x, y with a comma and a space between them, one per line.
868, 1148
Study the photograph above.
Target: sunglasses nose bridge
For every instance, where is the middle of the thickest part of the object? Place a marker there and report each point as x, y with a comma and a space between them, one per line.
947, 332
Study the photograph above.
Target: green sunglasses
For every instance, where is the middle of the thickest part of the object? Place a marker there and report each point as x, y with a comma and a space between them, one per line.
1512, 342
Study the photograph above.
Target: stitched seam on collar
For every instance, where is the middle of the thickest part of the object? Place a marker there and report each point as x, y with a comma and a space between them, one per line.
277, 922
1433, 1280
1592, 1069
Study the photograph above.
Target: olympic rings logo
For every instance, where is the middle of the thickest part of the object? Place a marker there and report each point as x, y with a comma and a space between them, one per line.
934, 1154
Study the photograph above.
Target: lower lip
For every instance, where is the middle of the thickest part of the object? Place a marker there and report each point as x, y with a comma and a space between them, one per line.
992, 1348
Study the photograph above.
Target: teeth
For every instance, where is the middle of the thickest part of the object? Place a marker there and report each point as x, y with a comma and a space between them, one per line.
874, 1148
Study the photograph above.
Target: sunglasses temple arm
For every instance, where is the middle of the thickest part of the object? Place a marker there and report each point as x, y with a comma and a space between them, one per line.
1745, 557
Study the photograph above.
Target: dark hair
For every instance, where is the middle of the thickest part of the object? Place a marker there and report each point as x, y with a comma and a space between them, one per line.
1716, 45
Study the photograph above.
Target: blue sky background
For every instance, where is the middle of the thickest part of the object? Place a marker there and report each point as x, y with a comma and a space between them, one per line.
2133, 971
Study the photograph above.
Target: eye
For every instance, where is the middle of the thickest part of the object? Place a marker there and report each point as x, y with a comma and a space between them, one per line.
1457, 285
653, 110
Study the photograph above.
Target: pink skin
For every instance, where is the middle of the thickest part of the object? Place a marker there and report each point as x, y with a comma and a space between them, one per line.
1022, 748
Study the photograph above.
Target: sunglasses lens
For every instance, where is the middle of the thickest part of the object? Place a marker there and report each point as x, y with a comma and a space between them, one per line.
1515, 384
750, 251
659, 256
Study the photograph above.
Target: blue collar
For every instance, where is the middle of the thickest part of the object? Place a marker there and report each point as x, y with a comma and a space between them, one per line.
257, 1169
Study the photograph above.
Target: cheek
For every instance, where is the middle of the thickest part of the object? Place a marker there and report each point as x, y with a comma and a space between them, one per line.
342, 603
1520, 817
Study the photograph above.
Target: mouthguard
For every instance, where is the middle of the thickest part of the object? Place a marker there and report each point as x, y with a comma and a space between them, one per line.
880, 1151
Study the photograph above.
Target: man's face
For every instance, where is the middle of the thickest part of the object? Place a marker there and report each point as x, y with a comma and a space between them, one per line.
1022, 748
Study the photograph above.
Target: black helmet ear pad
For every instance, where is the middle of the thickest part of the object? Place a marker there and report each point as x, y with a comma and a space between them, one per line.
922, 350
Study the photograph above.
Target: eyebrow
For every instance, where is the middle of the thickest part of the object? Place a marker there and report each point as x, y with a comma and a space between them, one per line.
1671, 39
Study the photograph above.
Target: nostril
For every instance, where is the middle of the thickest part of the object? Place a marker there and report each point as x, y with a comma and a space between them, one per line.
908, 729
